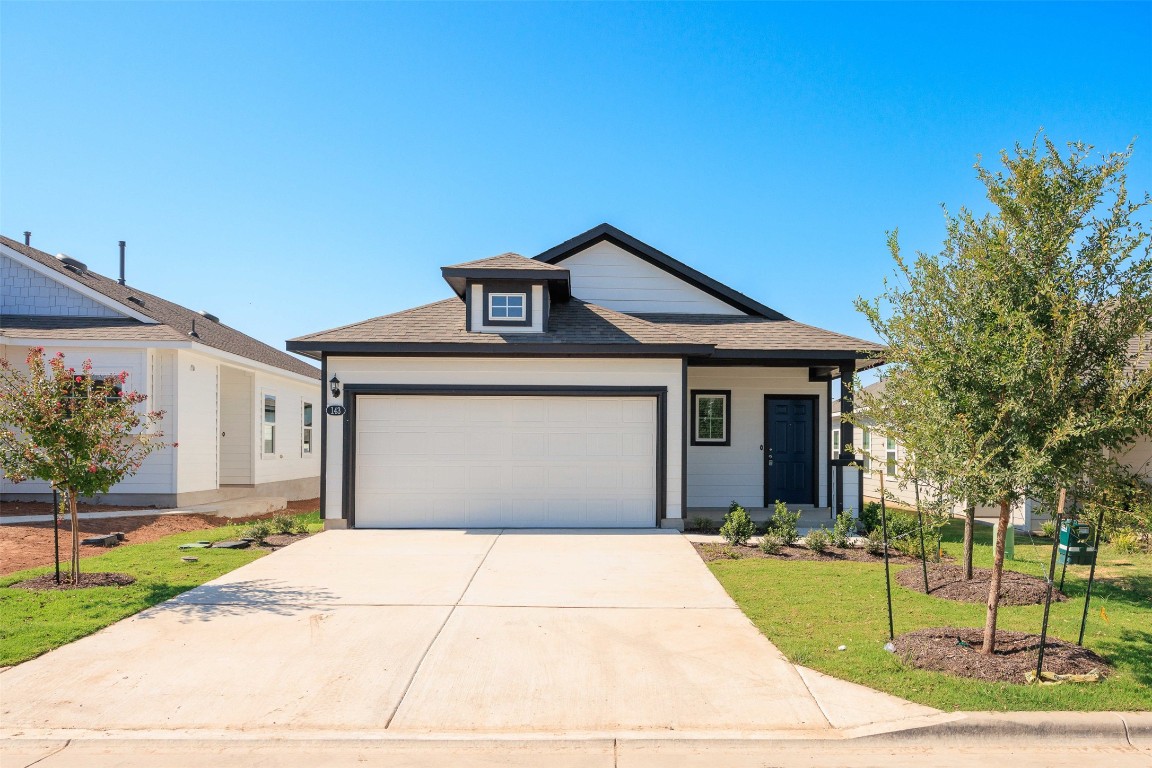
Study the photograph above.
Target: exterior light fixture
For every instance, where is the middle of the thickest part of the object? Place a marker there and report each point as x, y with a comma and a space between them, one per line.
334, 385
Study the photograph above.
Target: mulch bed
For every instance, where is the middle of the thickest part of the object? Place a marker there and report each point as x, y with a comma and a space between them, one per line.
48, 581
947, 582
724, 551
280, 540
1015, 655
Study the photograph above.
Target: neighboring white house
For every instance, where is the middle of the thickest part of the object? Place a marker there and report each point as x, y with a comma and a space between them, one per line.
246, 416
602, 383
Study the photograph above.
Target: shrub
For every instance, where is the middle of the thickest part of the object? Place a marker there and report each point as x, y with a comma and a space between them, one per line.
817, 539
1048, 529
870, 516
287, 524
702, 524
1125, 542
771, 543
844, 527
784, 523
874, 542
738, 526
258, 530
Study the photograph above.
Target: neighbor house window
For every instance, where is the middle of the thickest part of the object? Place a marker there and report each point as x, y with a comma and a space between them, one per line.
890, 456
866, 448
307, 440
711, 414
269, 424
506, 306
835, 442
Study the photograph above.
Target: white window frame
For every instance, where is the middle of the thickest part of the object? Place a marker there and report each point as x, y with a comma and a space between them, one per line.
266, 425
725, 412
307, 416
890, 458
508, 318
866, 448
835, 442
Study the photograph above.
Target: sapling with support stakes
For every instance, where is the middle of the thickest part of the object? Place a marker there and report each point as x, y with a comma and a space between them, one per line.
920, 520
890, 645
1091, 576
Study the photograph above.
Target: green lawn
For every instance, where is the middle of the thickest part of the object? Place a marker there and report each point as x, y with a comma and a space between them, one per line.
809, 608
32, 623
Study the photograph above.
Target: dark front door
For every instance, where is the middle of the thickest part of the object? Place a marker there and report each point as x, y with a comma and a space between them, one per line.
789, 450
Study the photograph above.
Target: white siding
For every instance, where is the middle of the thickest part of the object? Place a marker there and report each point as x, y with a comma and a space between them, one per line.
509, 371
478, 312
288, 462
717, 475
1139, 458
155, 476
607, 275
237, 425
197, 403
26, 292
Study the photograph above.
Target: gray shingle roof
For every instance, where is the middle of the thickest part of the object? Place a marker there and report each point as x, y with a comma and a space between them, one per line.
573, 322
736, 332
176, 318
508, 261
85, 328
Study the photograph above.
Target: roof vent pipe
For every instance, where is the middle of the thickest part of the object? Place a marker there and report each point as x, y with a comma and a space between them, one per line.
192, 332
27, 237
122, 262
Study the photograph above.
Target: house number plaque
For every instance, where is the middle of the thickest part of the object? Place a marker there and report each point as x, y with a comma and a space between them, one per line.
335, 410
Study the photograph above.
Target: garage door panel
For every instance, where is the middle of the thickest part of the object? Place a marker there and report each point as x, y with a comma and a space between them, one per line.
505, 461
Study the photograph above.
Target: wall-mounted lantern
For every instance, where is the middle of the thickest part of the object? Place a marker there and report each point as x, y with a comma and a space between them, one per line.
334, 385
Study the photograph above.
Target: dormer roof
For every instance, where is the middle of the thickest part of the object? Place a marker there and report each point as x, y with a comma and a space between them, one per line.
508, 266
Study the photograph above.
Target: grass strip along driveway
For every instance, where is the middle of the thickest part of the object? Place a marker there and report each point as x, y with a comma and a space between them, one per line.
32, 623
809, 609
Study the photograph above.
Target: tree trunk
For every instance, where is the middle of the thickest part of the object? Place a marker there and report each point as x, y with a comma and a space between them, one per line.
994, 587
969, 530
75, 518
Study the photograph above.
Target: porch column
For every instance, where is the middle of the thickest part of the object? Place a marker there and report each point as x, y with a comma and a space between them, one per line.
850, 485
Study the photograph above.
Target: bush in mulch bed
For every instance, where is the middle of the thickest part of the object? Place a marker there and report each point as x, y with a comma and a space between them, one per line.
941, 649
709, 551
48, 581
947, 582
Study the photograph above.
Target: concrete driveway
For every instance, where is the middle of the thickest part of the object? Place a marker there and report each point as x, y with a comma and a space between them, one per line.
417, 632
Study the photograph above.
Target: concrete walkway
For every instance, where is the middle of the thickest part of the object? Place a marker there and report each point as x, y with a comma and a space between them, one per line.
447, 634
247, 507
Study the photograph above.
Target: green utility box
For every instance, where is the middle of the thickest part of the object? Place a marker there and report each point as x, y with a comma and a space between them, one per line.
1076, 543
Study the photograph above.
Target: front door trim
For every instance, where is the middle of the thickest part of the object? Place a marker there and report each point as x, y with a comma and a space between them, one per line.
815, 400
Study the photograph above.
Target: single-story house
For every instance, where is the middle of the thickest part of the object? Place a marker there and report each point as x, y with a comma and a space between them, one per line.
601, 383
244, 415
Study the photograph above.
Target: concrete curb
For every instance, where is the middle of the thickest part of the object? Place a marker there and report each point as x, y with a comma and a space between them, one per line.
1042, 728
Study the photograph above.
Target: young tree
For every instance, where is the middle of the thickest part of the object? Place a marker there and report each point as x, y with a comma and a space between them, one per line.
79, 432
1015, 338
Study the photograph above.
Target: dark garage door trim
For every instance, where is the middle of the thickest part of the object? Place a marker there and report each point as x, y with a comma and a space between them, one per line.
353, 391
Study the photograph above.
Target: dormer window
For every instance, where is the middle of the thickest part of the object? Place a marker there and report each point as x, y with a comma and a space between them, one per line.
503, 307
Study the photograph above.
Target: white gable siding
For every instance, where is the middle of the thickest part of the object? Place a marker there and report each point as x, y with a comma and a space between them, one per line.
607, 275
26, 292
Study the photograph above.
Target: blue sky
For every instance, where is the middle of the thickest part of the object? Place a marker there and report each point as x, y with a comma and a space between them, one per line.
293, 167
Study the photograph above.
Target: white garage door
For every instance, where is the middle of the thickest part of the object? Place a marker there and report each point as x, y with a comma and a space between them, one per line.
503, 461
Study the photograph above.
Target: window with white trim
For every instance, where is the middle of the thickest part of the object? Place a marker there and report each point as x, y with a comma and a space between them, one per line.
269, 425
890, 457
710, 414
866, 448
306, 439
507, 306
835, 442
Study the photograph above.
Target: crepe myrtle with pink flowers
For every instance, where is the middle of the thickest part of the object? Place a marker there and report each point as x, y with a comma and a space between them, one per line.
79, 431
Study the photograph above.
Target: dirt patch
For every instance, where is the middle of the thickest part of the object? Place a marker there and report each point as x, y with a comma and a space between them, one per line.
21, 508
724, 551
281, 540
27, 546
941, 649
48, 581
947, 582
